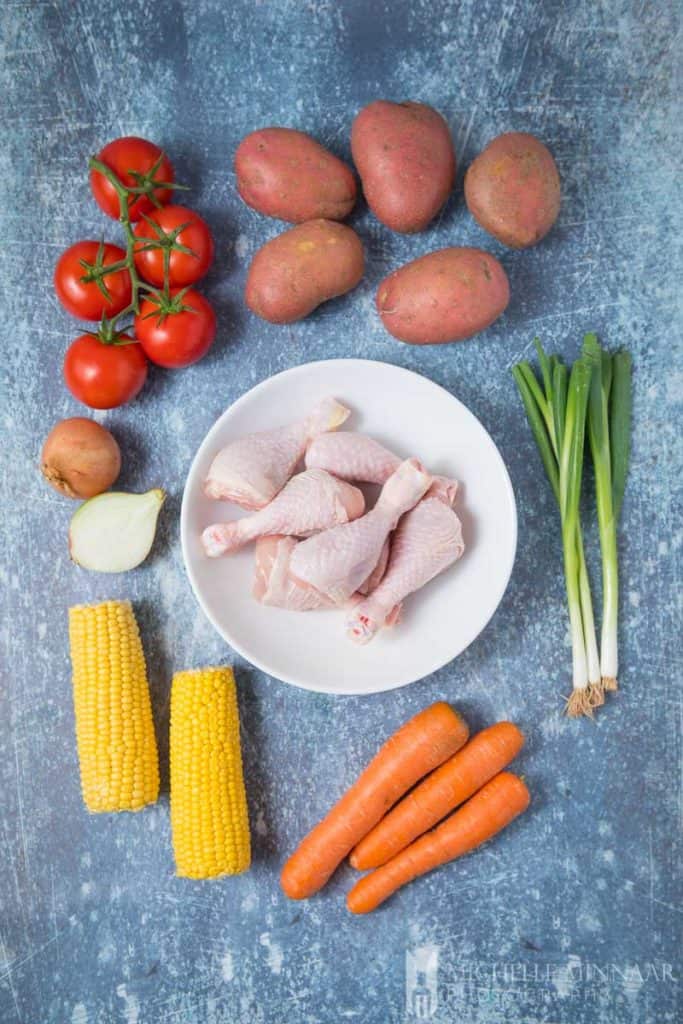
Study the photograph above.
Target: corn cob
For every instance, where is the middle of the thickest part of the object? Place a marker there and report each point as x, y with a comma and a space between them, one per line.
209, 816
116, 744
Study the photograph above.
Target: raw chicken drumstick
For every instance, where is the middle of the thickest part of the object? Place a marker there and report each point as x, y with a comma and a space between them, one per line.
352, 456
274, 584
427, 541
377, 573
251, 470
337, 561
311, 501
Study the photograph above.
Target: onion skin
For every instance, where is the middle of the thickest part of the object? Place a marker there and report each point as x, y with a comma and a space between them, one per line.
80, 458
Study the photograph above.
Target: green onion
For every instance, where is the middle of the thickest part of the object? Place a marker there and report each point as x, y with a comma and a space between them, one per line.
560, 381
557, 413
595, 695
538, 427
571, 467
609, 417
620, 426
560, 407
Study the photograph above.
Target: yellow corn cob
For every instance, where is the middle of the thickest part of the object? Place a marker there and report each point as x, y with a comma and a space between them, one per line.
116, 744
209, 816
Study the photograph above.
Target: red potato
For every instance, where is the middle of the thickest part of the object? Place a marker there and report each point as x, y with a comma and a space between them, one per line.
513, 189
405, 157
444, 296
285, 173
293, 273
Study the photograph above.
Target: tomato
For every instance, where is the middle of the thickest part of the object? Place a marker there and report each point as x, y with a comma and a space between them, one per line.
83, 298
184, 268
104, 375
123, 156
177, 338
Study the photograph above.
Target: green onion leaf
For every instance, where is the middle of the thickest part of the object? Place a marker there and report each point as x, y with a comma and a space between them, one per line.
560, 380
537, 424
546, 371
606, 370
571, 456
620, 426
599, 436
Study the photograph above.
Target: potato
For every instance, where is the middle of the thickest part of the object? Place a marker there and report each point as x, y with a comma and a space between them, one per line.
443, 296
513, 189
293, 273
287, 174
406, 161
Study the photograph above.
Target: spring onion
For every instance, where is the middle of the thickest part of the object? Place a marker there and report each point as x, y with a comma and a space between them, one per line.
620, 426
561, 407
584, 648
556, 410
609, 415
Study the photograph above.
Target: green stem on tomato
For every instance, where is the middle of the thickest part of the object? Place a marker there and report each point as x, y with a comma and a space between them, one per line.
124, 194
136, 284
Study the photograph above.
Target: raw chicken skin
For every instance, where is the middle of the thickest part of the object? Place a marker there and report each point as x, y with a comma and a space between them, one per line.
354, 456
377, 573
274, 584
337, 561
427, 541
310, 502
253, 469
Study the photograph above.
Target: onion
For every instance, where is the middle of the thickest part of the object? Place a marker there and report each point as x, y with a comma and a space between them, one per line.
114, 532
80, 458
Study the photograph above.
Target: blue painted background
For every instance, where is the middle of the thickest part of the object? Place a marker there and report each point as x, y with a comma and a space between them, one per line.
574, 915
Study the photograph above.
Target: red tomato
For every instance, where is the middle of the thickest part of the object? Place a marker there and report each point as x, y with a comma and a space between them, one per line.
104, 375
177, 338
184, 268
83, 298
123, 156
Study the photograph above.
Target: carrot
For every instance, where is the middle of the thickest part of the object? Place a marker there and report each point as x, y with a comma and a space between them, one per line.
485, 814
423, 743
450, 785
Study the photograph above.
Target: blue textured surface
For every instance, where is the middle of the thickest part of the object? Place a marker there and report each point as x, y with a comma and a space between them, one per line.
573, 916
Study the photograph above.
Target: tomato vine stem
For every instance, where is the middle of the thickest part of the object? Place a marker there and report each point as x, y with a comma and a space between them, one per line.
109, 330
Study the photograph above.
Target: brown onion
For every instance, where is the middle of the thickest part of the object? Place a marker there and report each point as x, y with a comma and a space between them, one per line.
80, 458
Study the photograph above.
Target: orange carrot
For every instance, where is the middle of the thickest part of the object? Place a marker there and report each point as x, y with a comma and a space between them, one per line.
450, 785
423, 743
485, 814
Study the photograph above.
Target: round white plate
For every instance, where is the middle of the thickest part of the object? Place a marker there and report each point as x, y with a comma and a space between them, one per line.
411, 416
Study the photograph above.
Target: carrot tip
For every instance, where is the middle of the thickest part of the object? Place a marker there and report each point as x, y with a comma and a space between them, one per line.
291, 885
579, 704
609, 684
294, 895
356, 906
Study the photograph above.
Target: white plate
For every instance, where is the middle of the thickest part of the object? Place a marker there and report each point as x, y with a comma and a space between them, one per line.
411, 416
